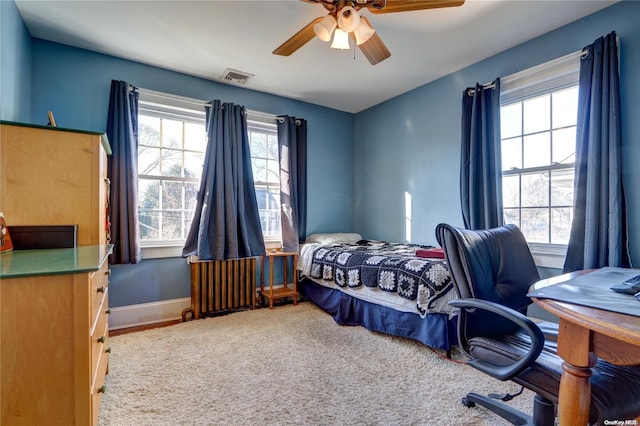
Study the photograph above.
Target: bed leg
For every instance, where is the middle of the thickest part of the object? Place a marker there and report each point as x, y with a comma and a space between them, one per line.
449, 353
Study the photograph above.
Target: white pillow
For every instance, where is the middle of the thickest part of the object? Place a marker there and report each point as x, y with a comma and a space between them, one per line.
334, 238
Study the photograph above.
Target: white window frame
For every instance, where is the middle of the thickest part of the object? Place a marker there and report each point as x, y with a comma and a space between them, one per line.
545, 78
265, 123
192, 110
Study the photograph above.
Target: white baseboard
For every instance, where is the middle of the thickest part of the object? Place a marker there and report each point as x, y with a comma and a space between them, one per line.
147, 313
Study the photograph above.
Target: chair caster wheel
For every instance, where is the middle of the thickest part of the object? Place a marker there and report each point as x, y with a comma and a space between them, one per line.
468, 403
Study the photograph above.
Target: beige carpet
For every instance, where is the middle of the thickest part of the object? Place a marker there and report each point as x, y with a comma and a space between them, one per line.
287, 366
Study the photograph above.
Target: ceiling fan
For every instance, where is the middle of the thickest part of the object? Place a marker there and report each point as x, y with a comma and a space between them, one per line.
344, 20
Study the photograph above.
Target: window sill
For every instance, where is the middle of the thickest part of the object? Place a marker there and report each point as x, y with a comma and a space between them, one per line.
548, 255
161, 251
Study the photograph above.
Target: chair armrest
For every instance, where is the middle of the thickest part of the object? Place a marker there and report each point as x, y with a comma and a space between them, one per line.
532, 330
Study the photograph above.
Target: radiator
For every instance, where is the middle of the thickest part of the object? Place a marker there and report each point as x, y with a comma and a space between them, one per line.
221, 286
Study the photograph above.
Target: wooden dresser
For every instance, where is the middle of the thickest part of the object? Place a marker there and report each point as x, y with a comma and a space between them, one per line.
54, 303
54, 340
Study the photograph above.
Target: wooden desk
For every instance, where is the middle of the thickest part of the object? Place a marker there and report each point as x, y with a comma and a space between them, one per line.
585, 332
285, 290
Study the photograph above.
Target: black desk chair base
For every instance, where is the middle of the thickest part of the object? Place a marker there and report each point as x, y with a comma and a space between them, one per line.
544, 411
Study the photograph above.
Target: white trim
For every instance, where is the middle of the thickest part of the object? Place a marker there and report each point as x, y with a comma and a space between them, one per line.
549, 76
548, 255
161, 251
147, 313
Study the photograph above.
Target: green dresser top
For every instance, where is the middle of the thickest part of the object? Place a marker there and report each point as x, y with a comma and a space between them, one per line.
28, 263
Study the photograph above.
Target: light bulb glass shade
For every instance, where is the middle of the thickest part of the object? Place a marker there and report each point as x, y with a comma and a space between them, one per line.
340, 39
363, 32
348, 19
325, 27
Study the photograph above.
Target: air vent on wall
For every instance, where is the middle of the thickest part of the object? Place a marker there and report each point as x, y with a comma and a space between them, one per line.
235, 76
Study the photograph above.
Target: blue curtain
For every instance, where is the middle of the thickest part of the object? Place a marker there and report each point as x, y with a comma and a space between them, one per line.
226, 223
480, 160
598, 231
122, 131
292, 149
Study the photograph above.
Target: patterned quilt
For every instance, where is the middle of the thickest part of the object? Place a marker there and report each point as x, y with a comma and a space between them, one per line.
391, 267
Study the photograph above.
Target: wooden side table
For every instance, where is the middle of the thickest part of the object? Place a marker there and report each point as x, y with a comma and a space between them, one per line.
289, 289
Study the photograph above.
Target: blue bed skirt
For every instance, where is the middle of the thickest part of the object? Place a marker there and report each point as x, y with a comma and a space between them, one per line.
435, 330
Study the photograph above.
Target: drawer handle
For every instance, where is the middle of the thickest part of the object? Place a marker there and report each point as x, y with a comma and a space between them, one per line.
102, 389
100, 289
108, 311
108, 350
102, 339
107, 272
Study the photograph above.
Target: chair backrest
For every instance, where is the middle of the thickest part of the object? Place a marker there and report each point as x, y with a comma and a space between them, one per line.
494, 265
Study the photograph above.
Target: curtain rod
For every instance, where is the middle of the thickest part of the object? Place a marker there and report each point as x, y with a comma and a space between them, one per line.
582, 53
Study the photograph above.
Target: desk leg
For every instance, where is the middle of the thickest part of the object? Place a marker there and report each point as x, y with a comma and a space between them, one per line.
574, 399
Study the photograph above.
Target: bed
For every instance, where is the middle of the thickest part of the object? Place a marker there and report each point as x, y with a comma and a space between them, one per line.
382, 286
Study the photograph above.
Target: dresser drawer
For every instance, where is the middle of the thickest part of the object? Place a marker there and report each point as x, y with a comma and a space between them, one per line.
98, 388
99, 342
98, 288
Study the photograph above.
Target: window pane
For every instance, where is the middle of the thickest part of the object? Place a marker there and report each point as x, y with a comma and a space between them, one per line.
561, 225
171, 162
511, 120
148, 130
565, 107
171, 195
537, 150
258, 144
273, 173
535, 190
148, 194
259, 169
564, 146
273, 227
274, 198
195, 137
511, 191
172, 226
148, 161
537, 114
272, 147
191, 194
149, 221
562, 187
512, 153
193, 164
261, 198
535, 225
171, 133
512, 216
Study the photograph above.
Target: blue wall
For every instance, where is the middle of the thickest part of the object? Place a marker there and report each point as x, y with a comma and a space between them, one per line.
412, 143
15, 65
74, 84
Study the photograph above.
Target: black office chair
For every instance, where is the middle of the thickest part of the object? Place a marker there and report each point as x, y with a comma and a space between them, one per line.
492, 271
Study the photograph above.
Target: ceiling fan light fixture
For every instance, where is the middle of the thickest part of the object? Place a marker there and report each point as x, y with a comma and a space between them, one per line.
348, 19
363, 32
340, 40
325, 27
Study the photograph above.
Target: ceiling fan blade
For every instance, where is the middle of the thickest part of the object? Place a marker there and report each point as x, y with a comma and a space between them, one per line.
393, 6
298, 40
374, 49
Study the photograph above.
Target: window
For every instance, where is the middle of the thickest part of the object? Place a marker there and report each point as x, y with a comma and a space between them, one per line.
538, 117
171, 146
170, 159
263, 141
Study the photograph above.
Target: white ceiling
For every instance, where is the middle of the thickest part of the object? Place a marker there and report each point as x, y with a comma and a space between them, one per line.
204, 38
